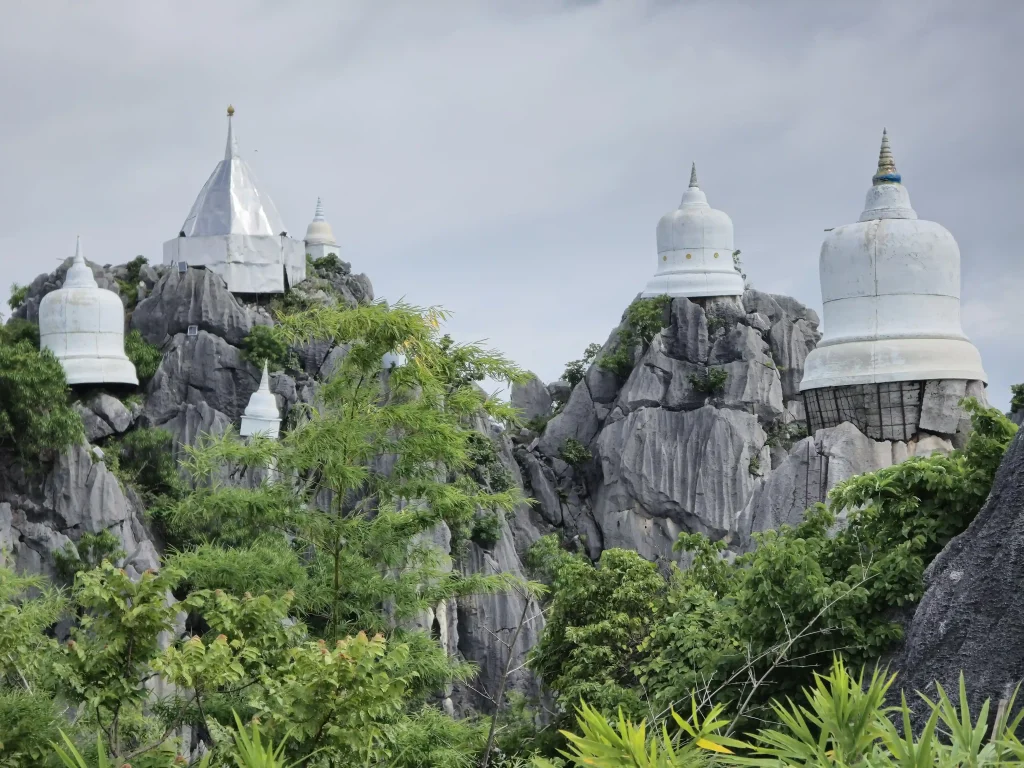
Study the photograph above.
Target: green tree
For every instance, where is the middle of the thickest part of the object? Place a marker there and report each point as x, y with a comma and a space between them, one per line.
262, 345
35, 416
18, 295
576, 369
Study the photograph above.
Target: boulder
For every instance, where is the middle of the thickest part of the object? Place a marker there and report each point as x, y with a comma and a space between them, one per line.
687, 335
95, 427
940, 409
971, 615
112, 411
197, 297
532, 398
577, 420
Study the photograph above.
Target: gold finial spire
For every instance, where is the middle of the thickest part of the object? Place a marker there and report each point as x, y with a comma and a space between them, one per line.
887, 173
231, 110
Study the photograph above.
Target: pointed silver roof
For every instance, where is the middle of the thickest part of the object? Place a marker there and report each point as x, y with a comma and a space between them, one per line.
232, 201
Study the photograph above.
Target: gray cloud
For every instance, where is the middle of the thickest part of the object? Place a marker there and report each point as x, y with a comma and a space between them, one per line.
509, 161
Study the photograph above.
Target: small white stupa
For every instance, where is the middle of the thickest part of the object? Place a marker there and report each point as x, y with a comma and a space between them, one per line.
695, 247
235, 230
261, 414
83, 326
890, 287
319, 236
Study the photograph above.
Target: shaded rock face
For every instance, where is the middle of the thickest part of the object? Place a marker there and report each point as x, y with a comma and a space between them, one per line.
40, 515
531, 398
196, 297
971, 615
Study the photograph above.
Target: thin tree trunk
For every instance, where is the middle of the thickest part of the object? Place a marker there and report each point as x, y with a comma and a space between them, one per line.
501, 685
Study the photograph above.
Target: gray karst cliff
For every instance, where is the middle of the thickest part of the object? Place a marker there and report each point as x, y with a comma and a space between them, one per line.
666, 451
971, 616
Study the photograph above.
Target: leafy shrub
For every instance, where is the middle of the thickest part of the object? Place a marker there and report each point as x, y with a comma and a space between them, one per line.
262, 344
784, 435
754, 466
715, 323
18, 295
91, 550
486, 529
711, 382
34, 411
329, 264
486, 467
574, 453
129, 284
1016, 397
19, 330
143, 458
576, 369
645, 318
145, 357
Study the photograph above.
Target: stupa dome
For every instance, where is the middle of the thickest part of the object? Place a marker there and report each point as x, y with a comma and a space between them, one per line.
319, 231
83, 325
235, 230
890, 286
261, 415
695, 247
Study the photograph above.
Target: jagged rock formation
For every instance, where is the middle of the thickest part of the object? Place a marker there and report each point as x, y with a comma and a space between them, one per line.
201, 387
672, 450
971, 614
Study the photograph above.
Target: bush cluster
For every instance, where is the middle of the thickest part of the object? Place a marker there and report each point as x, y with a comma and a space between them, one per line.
145, 357
645, 318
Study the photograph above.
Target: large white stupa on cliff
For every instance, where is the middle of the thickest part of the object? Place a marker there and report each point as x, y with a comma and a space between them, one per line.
695, 250
890, 287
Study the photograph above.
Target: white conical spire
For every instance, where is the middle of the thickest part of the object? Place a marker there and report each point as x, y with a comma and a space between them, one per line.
231, 150
79, 274
319, 231
261, 414
693, 175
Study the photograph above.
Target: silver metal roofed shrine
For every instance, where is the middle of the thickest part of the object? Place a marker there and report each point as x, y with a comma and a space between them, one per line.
235, 230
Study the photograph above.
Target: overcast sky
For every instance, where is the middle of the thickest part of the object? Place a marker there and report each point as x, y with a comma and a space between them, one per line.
510, 160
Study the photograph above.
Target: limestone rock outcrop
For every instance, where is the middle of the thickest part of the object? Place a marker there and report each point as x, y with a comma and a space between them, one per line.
971, 615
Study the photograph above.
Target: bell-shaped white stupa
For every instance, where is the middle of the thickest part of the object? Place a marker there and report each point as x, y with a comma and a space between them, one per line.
695, 247
261, 415
319, 236
890, 286
235, 230
83, 325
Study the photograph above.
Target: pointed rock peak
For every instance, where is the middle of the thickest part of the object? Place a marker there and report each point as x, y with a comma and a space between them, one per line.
887, 173
319, 214
693, 175
231, 150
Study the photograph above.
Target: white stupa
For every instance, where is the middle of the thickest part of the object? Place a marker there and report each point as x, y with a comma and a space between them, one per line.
83, 325
262, 416
890, 285
695, 247
319, 235
235, 230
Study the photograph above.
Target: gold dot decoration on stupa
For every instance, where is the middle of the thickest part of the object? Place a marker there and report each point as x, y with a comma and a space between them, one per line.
689, 255
231, 110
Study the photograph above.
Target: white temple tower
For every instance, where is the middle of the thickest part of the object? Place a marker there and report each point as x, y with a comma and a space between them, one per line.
83, 325
235, 230
695, 247
262, 416
890, 286
319, 236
